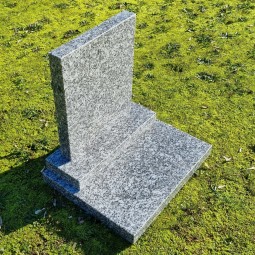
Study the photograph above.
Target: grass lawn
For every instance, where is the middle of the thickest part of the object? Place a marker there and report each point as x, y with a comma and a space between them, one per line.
194, 66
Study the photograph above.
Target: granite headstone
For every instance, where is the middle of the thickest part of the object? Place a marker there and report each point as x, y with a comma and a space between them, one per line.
116, 160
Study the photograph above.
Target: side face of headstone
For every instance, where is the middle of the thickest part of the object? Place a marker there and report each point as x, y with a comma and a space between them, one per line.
92, 80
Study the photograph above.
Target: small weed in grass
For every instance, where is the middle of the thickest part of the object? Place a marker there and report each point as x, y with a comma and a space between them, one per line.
191, 28
170, 50
226, 35
206, 77
84, 23
22, 55
168, 2
189, 13
149, 76
27, 45
34, 27
36, 49
234, 67
31, 113
125, 5
202, 8
131, 7
224, 12
142, 25
40, 144
192, 88
204, 39
216, 51
137, 75
205, 61
61, 6
251, 53
89, 14
165, 19
138, 45
148, 66
18, 82
245, 7
115, 6
252, 148
45, 20
226, 9
32, 147
242, 19
70, 33
174, 67
237, 88
163, 7
10, 5
17, 154
161, 29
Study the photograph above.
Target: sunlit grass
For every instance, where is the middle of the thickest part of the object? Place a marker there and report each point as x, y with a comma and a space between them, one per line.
194, 66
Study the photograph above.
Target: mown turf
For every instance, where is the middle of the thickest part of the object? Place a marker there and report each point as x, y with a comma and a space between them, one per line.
194, 66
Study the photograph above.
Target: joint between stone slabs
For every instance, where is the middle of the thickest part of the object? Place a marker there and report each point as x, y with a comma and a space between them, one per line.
122, 146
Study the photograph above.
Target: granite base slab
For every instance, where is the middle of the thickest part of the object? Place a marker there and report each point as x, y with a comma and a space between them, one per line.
130, 191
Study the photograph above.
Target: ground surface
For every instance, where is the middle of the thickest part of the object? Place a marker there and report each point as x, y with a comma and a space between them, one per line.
194, 66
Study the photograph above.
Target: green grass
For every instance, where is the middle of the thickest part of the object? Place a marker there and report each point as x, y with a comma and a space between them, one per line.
194, 66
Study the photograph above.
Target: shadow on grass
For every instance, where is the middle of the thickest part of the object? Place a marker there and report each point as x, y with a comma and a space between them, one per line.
26, 199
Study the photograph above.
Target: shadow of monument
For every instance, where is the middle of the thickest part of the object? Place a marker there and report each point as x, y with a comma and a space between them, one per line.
26, 199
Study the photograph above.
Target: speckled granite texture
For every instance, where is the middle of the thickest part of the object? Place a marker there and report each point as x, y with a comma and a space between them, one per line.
116, 161
92, 80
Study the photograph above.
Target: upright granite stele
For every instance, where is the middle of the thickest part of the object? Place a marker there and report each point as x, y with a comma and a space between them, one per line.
116, 160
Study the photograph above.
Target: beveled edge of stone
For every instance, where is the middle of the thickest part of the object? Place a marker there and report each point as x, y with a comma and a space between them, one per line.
91, 34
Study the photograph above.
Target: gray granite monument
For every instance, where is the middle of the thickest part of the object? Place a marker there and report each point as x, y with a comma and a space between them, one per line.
116, 160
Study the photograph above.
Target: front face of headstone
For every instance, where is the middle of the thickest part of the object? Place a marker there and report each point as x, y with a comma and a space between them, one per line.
92, 80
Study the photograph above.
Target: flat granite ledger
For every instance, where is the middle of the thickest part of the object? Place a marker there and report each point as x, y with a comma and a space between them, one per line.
116, 160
